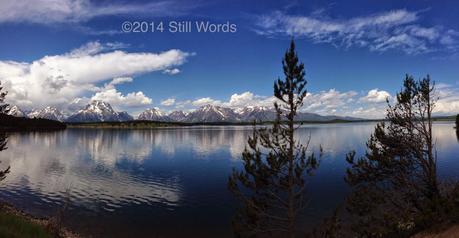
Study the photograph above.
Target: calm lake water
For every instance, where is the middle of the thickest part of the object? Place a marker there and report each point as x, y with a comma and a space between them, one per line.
168, 182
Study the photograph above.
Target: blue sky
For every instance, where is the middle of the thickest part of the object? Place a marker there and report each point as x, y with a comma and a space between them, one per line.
65, 53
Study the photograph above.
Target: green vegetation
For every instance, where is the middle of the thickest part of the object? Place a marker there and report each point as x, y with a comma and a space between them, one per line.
15, 226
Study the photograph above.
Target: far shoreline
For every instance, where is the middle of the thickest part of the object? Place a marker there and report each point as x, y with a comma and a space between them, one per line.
21, 124
141, 124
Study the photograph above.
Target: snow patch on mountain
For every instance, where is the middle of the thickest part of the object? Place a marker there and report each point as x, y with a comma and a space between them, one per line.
153, 114
50, 113
99, 111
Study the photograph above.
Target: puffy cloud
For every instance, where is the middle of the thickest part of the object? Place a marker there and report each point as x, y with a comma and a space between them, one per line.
171, 71
448, 99
118, 100
111, 95
249, 99
328, 102
58, 79
120, 80
376, 96
168, 102
74, 11
204, 101
396, 29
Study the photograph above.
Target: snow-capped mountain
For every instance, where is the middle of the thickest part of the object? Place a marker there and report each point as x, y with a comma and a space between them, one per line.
16, 111
50, 113
211, 113
177, 116
97, 111
153, 114
257, 113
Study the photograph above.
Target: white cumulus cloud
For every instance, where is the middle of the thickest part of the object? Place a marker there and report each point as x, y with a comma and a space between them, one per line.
448, 99
171, 71
111, 95
329, 102
59, 79
168, 102
204, 101
376, 96
118, 100
249, 99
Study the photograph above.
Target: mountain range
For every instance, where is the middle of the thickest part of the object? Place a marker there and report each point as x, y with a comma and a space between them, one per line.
99, 111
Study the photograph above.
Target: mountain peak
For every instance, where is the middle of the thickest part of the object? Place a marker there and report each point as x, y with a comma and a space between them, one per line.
16, 111
97, 111
177, 116
99, 106
153, 114
213, 113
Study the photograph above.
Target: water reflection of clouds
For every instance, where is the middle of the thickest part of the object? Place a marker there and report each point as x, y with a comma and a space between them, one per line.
49, 164
93, 162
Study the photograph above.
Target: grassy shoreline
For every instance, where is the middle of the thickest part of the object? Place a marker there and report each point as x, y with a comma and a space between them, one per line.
17, 223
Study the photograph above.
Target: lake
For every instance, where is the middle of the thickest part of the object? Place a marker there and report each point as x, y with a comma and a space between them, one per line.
169, 182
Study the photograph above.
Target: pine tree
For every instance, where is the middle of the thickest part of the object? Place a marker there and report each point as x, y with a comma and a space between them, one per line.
395, 185
271, 185
3, 136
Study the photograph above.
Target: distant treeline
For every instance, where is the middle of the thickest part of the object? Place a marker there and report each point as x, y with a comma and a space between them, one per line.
8, 122
144, 124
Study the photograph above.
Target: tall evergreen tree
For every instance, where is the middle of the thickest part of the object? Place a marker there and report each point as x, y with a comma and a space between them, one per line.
3, 136
457, 127
395, 185
271, 185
